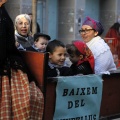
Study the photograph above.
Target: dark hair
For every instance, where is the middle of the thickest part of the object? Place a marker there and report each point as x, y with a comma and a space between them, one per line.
36, 40
116, 26
29, 13
38, 35
72, 50
53, 44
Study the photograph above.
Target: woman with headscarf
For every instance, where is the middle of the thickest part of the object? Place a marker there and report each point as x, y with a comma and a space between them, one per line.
20, 99
81, 57
90, 33
114, 32
22, 32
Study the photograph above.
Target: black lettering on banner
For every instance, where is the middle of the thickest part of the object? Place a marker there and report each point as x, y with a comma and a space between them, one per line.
78, 118
88, 91
80, 91
79, 103
82, 102
65, 92
76, 103
70, 104
83, 91
94, 117
86, 117
77, 91
94, 90
81, 118
90, 117
72, 92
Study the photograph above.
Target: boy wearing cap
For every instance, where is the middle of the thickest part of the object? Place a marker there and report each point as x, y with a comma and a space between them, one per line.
40, 43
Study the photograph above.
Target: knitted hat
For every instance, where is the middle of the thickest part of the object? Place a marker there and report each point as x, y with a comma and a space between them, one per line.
94, 24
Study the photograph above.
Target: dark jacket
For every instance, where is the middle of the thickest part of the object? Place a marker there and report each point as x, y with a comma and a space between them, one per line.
31, 49
64, 71
84, 68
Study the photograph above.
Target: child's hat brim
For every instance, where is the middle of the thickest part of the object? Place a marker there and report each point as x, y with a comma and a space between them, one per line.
36, 35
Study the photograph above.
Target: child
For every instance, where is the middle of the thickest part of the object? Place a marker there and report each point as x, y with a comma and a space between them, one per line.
57, 56
40, 42
81, 57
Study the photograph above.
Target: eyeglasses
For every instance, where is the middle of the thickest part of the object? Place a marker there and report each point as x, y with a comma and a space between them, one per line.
85, 31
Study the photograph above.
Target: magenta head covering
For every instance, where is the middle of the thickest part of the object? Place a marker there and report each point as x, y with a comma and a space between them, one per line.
94, 24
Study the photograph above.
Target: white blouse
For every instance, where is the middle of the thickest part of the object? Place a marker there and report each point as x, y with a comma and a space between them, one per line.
104, 62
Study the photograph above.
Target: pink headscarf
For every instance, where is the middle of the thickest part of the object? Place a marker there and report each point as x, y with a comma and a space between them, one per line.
94, 24
88, 56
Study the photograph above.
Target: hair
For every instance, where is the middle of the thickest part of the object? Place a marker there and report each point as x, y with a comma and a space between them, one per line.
29, 13
54, 44
116, 26
37, 39
72, 50
20, 16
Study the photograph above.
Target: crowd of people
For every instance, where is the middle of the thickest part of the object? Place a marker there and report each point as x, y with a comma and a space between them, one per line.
91, 55
86, 55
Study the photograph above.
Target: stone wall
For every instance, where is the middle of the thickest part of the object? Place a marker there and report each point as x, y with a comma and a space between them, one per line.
13, 8
108, 13
66, 14
16, 7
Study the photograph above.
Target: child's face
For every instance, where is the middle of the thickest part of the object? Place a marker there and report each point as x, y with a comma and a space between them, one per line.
58, 56
74, 58
41, 44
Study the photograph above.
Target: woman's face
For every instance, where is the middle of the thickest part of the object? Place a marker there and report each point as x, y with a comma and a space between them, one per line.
23, 26
87, 33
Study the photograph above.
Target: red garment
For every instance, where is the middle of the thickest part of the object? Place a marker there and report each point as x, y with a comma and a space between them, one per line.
112, 33
86, 52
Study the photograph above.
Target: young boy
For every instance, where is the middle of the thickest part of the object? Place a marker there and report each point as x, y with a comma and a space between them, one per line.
81, 57
57, 56
40, 43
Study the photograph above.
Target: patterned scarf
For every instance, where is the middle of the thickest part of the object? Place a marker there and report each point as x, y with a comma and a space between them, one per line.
86, 52
20, 100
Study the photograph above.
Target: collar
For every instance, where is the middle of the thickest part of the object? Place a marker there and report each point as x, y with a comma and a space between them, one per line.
52, 66
94, 40
37, 48
17, 34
